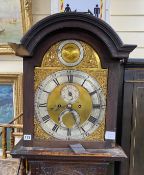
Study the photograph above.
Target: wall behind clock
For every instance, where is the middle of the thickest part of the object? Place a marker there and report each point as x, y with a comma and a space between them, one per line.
126, 18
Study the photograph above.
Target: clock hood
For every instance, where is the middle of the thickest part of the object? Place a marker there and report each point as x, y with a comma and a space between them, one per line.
74, 21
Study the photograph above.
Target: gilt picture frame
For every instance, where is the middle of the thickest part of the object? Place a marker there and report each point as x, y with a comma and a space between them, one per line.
15, 20
11, 103
11, 92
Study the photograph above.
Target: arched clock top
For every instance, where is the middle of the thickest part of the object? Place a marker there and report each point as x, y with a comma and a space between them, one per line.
73, 22
71, 53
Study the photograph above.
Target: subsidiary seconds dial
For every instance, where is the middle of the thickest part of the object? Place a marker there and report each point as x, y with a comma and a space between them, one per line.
69, 105
70, 93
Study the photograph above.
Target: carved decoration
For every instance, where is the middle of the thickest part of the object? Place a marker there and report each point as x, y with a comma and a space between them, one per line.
91, 58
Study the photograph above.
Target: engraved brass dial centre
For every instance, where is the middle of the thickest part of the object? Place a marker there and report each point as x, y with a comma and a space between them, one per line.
82, 99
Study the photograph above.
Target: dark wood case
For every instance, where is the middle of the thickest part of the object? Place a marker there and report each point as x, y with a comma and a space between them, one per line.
55, 157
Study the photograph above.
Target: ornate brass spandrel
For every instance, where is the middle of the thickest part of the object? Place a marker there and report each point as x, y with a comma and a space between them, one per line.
39, 132
98, 134
90, 59
100, 75
42, 73
50, 59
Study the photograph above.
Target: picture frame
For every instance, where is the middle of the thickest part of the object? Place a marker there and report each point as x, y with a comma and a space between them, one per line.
91, 8
97, 8
14, 82
15, 24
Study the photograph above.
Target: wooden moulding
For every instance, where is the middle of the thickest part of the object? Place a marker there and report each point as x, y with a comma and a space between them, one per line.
65, 154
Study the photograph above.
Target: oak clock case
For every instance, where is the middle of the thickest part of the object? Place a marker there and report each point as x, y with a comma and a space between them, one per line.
70, 94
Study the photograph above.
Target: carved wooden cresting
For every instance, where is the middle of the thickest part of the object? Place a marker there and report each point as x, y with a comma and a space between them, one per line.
73, 80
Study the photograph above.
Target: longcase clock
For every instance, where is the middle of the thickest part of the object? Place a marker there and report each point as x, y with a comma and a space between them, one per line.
73, 77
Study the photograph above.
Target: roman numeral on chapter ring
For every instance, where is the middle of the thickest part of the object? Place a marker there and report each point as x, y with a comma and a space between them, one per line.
68, 132
41, 88
84, 82
97, 106
70, 78
84, 131
95, 91
92, 93
92, 119
45, 91
55, 128
43, 105
56, 81
46, 118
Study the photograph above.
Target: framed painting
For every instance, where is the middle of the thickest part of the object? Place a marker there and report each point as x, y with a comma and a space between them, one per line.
15, 20
97, 8
10, 97
93, 7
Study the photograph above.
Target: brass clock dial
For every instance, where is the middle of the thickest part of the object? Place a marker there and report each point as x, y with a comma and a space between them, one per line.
69, 105
70, 52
